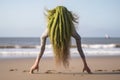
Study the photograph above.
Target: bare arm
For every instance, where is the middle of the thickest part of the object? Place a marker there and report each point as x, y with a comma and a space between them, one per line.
42, 48
79, 48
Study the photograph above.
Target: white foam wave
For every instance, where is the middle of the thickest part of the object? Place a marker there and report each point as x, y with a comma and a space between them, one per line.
49, 52
95, 46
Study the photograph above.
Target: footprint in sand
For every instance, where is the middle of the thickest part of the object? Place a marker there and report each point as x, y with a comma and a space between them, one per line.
13, 70
25, 71
117, 70
51, 71
100, 70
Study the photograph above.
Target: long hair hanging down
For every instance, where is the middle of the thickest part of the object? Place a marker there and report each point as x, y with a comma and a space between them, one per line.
60, 26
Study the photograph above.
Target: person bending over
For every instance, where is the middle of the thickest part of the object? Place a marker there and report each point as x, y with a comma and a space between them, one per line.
60, 29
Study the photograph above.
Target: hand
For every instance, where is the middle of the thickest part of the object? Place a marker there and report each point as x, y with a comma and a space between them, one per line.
33, 68
86, 68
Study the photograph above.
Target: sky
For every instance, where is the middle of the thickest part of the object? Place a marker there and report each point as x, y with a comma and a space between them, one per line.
25, 18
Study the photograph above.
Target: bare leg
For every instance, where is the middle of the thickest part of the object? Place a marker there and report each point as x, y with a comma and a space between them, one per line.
43, 42
78, 42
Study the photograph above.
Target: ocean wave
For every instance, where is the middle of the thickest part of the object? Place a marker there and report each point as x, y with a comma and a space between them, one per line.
18, 46
94, 46
97, 46
49, 52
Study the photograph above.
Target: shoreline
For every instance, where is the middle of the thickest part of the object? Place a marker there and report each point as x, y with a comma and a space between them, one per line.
50, 57
97, 45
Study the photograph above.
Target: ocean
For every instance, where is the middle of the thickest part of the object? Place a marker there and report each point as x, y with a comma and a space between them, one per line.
30, 47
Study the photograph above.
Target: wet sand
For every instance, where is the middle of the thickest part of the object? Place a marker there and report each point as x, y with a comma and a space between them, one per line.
103, 68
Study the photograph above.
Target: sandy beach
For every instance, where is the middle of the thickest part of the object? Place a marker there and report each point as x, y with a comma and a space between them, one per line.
103, 68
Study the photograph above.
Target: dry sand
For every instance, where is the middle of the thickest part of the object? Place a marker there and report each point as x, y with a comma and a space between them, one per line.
103, 68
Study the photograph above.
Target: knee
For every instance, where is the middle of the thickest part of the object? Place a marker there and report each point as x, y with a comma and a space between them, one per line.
43, 37
78, 37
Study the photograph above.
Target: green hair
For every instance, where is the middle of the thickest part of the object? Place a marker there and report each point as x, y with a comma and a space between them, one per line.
60, 26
